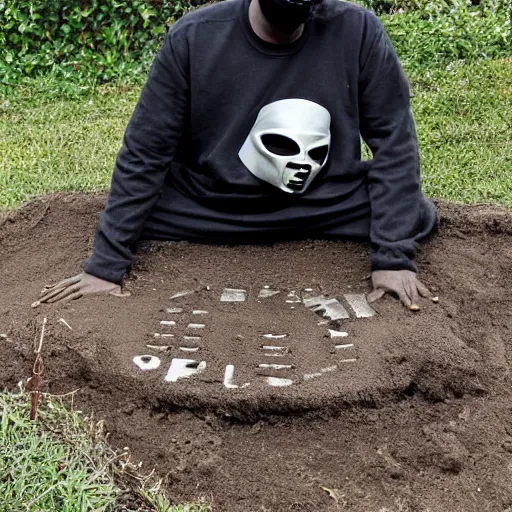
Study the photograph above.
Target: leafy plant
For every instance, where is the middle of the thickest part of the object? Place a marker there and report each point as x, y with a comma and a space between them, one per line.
445, 31
80, 41
107, 38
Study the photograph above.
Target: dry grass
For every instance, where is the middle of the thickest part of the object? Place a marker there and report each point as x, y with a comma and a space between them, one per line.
63, 462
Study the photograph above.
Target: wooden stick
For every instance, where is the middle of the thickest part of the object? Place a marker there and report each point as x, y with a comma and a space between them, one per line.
35, 381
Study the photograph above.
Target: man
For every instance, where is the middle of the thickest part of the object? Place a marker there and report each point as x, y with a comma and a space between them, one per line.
248, 129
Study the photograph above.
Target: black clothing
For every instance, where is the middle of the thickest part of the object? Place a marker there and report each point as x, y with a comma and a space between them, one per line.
179, 176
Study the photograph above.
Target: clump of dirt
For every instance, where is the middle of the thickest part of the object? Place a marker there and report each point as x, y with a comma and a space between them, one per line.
408, 407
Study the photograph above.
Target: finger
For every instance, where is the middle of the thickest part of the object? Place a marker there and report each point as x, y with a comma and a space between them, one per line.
53, 287
402, 295
57, 291
66, 292
75, 296
425, 292
60, 285
412, 292
375, 295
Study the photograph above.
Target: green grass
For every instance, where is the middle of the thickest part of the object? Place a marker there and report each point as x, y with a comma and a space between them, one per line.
40, 473
62, 463
463, 114
60, 144
464, 119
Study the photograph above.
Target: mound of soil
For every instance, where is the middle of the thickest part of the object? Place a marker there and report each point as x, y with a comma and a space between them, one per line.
410, 411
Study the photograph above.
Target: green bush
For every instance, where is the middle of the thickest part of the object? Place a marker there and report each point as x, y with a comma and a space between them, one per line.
104, 40
444, 31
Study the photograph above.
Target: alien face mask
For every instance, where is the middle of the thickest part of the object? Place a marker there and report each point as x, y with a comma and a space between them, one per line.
289, 144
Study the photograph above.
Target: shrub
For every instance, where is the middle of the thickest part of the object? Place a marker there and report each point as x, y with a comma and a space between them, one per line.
107, 38
103, 40
444, 31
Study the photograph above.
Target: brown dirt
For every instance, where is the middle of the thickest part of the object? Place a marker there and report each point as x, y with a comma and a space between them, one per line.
419, 422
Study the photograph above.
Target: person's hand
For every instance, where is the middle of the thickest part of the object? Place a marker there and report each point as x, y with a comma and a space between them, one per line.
403, 283
76, 287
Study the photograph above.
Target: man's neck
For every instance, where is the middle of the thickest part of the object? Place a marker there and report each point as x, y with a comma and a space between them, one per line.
264, 30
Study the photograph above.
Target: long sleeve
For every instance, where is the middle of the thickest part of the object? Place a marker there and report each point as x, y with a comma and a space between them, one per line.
387, 126
149, 145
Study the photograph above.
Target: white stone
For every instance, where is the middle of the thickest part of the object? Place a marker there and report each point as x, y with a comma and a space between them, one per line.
278, 382
346, 345
265, 293
182, 294
159, 348
168, 323
183, 369
268, 366
338, 334
174, 310
329, 308
147, 362
293, 297
233, 295
196, 326
229, 373
358, 302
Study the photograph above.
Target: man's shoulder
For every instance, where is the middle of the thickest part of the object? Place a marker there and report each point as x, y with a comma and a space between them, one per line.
225, 11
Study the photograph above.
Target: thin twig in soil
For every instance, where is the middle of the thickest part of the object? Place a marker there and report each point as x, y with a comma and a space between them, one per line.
62, 321
34, 383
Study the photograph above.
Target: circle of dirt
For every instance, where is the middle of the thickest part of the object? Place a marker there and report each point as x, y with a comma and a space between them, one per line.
451, 349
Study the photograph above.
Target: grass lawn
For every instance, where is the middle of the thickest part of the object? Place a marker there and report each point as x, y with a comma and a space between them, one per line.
62, 463
463, 114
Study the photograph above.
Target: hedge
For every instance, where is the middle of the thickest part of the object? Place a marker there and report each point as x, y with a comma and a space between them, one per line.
110, 39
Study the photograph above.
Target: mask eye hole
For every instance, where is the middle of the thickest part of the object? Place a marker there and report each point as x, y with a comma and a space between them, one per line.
319, 154
280, 145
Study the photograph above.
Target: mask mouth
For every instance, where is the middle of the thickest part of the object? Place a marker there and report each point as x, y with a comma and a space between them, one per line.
298, 179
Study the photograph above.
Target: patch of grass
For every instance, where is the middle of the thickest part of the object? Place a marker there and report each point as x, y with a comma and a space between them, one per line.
37, 472
60, 144
464, 119
61, 462
463, 113
440, 32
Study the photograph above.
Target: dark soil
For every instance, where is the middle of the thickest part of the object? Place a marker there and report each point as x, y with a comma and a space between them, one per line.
420, 419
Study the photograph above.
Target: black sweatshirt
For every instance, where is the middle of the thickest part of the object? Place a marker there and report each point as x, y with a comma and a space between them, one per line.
179, 176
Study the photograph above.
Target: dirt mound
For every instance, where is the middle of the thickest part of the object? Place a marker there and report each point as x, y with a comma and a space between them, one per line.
285, 390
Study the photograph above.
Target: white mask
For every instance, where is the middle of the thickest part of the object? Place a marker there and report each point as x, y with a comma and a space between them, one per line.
288, 144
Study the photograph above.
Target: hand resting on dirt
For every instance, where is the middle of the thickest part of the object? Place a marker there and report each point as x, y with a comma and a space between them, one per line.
403, 283
76, 287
